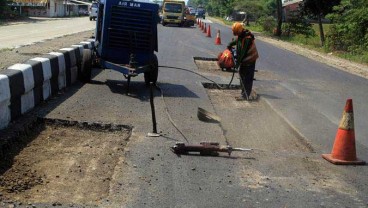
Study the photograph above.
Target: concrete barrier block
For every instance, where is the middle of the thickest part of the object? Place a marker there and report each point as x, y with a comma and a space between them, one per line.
80, 48
71, 69
27, 79
73, 74
86, 44
5, 115
46, 89
72, 55
27, 102
47, 74
92, 41
4, 88
54, 82
46, 67
62, 69
37, 70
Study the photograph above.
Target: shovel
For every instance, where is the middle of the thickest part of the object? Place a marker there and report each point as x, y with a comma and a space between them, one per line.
206, 116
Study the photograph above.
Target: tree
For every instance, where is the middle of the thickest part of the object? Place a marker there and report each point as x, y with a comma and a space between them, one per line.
319, 9
253, 8
298, 24
279, 17
3, 7
350, 29
269, 7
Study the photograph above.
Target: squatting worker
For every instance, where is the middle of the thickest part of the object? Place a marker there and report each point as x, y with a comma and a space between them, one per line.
247, 55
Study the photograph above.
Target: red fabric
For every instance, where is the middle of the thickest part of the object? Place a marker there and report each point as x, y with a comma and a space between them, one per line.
225, 59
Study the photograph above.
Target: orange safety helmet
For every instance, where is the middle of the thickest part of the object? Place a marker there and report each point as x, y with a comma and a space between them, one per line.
237, 28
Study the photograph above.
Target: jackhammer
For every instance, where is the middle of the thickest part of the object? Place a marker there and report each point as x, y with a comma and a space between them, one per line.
204, 148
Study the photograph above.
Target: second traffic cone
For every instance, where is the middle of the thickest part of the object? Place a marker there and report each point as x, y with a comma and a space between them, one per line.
205, 28
209, 31
343, 151
218, 38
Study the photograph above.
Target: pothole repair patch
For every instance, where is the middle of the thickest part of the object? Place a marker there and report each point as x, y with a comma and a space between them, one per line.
209, 65
66, 162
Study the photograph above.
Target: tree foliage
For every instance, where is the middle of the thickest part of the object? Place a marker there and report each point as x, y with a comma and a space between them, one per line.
350, 29
279, 17
298, 24
3, 7
318, 9
253, 8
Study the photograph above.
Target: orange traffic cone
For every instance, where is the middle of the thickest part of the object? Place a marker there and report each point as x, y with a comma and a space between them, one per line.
202, 28
209, 31
200, 24
218, 38
343, 151
205, 28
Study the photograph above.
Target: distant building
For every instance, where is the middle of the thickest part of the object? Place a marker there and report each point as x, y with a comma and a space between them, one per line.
288, 6
49, 8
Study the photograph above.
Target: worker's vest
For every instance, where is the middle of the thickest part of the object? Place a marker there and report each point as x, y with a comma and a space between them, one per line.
250, 55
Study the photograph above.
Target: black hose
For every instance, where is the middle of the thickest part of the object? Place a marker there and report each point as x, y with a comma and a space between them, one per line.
166, 108
172, 67
168, 114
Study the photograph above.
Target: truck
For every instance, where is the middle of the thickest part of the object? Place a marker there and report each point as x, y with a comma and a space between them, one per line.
93, 11
189, 18
200, 13
173, 12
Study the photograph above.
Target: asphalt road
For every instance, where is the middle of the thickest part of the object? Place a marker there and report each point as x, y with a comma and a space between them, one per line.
285, 169
290, 126
40, 29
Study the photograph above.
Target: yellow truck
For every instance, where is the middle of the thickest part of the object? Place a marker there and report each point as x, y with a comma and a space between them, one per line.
189, 18
175, 12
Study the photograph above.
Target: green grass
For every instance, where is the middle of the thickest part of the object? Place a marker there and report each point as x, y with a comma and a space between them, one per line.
252, 26
5, 49
314, 43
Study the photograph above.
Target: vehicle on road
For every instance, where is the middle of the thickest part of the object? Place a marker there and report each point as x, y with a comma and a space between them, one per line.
200, 13
189, 18
173, 12
93, 9
83, 12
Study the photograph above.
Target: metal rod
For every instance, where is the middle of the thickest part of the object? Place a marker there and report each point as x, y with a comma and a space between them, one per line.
128, 84
153, 109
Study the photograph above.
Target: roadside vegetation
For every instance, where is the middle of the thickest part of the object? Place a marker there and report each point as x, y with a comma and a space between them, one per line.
338, 27
6, 14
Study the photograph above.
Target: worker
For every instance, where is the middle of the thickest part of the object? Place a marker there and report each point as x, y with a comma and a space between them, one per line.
247, 55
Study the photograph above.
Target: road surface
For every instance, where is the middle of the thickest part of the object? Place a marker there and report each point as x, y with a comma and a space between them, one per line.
40, 29
294, 121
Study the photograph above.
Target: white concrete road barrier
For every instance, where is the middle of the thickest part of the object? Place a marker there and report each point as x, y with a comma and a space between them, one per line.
24, 85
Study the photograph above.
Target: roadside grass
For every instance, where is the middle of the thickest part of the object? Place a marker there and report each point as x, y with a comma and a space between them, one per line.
252, 26
5, 49
313, 43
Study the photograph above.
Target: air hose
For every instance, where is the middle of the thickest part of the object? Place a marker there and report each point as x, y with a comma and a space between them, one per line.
163, 99
228, 86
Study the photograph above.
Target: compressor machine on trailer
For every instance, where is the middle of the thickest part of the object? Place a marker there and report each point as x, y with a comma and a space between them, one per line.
126, 38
